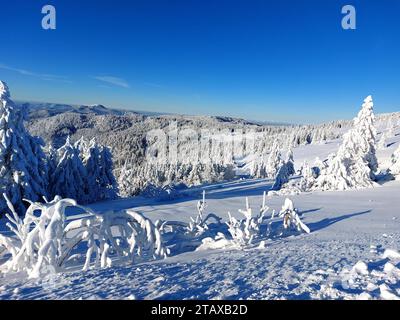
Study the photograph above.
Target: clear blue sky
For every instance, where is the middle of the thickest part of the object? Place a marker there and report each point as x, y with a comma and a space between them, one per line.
266, 60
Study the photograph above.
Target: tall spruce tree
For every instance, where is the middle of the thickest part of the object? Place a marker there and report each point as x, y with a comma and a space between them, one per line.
355, 163
22, 161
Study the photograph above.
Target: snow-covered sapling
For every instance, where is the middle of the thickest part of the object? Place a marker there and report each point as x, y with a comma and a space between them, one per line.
243, 231
197, 226
291, 219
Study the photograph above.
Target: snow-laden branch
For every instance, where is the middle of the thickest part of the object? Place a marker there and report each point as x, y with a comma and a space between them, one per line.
44, 240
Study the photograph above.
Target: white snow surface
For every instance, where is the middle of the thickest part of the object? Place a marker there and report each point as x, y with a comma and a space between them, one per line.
352, 251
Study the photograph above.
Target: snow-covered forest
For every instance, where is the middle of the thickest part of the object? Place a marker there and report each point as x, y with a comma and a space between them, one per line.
141, 203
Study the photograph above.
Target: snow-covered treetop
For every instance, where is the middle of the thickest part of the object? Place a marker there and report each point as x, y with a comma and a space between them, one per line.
4, 92
368, 100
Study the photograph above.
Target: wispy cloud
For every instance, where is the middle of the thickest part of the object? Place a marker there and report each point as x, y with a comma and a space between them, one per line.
113, 80
42, 76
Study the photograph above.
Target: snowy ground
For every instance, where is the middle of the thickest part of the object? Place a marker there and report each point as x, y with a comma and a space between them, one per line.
345, 227
342, 258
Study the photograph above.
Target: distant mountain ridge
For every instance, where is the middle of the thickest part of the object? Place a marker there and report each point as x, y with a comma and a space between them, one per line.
39, 110
44, 109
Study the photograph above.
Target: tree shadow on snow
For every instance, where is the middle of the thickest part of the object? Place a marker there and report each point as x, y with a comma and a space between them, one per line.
315, 226
309, 211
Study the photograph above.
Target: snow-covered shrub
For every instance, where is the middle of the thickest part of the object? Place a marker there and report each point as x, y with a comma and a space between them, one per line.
197, 226
319, 165
181, 236
308, 177
244, 231
23, 171
295, 186
45, 239
291, 219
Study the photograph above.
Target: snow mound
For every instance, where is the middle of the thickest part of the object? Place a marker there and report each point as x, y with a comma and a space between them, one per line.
377, 279
219, 242
391, 254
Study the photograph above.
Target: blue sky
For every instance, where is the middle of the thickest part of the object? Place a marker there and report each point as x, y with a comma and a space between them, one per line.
264, 60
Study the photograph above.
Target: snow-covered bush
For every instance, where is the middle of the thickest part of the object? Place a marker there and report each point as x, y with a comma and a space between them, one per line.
181, 236
197, 226
295, 186
244, 231
291, 219
47, 240
23, 172
308, 177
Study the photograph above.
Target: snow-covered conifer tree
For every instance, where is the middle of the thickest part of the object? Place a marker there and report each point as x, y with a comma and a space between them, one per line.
126, 181
365, 130
354, 164
107, 183
274, 161
382, 141
395, 165
69, 178
282, 176
258, 169
22, 161
290, 162
347, 170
